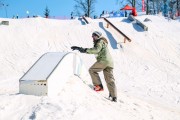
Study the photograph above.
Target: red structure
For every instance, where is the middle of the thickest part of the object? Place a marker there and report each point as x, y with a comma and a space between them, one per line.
143, 6
127, 7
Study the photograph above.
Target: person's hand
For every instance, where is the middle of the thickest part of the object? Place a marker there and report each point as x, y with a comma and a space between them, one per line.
75, 48
82, 50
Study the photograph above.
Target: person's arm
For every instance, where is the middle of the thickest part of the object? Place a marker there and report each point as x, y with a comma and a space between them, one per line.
96, 49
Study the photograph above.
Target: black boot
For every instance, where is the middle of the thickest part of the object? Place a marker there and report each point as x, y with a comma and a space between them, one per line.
110, 95
101, 86
114, 99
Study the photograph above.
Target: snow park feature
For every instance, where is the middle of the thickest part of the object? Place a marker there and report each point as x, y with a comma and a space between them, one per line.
50, 72
147, 70
122, 36
4, 23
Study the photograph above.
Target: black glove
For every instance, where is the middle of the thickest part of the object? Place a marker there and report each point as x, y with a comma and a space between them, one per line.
75, 48
82, 50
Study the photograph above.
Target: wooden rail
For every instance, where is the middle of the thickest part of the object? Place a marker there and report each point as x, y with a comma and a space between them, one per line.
143, 26
85, 20
125, 37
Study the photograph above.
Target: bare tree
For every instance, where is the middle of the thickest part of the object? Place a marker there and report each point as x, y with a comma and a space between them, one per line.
4, 6
125, 2
86, 6
1, 4
134, 3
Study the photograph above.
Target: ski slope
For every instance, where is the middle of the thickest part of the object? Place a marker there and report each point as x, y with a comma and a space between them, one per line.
147, 70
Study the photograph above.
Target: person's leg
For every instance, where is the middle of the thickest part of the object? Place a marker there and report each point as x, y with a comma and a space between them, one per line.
93, 71
110, 81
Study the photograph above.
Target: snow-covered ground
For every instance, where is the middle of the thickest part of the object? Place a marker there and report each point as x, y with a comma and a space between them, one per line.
147, 70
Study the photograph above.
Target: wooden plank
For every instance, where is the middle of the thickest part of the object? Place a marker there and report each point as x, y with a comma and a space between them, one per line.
142, 25
131, 18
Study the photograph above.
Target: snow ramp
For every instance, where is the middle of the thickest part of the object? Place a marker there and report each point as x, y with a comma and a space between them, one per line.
50, 72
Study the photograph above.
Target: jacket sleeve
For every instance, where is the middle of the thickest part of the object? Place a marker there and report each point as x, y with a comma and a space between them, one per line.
96, 49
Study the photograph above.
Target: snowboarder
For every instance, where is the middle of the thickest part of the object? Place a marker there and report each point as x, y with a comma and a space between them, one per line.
104, 63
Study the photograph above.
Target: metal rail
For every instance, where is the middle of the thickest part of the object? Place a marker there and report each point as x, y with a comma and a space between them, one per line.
125, 37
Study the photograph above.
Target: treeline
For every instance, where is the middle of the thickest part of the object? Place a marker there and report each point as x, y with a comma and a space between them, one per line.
154, 6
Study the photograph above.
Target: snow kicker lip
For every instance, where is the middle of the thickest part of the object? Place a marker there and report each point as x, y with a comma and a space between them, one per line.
49, 73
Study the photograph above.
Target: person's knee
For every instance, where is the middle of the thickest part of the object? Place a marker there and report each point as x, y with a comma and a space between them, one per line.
90, 70
110, 82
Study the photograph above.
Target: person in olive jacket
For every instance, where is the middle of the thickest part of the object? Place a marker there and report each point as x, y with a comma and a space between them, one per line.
104, 63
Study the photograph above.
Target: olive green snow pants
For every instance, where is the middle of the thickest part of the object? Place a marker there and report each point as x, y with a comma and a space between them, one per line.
108, 75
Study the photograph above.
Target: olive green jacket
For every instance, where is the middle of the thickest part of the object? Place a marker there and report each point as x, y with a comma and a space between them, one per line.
101, 52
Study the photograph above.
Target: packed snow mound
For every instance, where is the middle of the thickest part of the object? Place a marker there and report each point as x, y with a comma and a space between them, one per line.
50, 72
147, 70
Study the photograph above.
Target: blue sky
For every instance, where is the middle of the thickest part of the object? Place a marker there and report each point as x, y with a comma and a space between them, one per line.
57, 7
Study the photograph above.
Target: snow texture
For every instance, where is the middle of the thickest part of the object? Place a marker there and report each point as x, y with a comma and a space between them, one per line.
147, 70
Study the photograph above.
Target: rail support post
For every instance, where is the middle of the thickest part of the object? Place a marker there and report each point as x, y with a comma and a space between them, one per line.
124, 40
107, 25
